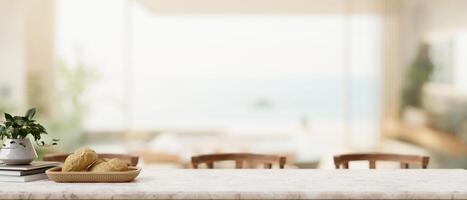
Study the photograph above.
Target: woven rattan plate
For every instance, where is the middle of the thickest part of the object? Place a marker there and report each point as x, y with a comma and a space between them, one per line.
57, 175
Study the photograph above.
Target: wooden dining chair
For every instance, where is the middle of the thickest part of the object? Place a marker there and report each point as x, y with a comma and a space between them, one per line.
129, 159
239, 158
404, 160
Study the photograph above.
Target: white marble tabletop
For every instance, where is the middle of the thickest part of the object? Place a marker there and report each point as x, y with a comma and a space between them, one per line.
257, 184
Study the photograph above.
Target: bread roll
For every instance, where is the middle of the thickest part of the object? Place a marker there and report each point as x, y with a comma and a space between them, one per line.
109, 165
79, 160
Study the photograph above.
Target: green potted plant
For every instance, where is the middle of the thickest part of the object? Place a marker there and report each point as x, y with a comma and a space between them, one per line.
418, 75
18, 149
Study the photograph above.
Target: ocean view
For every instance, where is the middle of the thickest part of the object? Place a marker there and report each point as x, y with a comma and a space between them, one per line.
261, 100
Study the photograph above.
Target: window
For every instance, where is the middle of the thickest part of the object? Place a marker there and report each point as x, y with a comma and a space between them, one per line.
236, 72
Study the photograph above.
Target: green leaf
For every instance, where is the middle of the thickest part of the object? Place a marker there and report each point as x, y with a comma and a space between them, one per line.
19, 122
30, 113
14, 133
8, 117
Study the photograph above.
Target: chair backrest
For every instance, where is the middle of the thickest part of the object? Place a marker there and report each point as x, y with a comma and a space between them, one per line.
239, 158
130, 159
404, 160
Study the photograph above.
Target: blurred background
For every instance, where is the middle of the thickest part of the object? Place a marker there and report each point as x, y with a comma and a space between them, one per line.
168, 79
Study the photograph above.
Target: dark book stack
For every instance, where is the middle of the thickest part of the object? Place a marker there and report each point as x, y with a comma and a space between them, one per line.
25, 173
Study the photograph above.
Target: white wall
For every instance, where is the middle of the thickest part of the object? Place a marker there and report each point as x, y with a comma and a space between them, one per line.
12, 49
446, 15
446, 20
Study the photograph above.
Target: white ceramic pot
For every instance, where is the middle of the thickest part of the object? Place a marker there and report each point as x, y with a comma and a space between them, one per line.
13, 153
